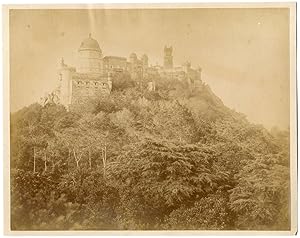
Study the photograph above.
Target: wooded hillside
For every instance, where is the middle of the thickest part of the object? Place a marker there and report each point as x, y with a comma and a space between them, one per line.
174, 158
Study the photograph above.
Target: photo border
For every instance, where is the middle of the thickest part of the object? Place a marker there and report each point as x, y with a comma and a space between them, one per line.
293, 115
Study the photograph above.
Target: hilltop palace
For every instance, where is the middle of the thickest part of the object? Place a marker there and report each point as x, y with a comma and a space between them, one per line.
95, 73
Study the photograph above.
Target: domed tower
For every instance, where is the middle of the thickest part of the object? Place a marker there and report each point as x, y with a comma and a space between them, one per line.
168, 57
133, 58
90, 56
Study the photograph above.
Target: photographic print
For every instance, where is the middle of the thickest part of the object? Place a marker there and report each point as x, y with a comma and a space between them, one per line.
163, 118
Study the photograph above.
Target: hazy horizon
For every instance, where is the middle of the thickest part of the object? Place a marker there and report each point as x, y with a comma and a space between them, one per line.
243, 53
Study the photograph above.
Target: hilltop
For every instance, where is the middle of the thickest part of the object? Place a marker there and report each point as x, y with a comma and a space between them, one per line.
172, 158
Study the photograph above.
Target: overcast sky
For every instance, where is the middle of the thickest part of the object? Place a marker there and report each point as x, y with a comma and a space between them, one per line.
243, 53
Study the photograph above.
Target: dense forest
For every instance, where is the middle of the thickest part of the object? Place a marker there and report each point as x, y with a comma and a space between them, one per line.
173, 158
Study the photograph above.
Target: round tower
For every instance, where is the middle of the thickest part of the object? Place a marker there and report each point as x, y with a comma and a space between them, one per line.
90, 56
65, 84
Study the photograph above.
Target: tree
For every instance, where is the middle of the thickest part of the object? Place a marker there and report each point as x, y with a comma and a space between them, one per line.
156, 177
173, 158
122, 81
30, 194
263, 183
209, 213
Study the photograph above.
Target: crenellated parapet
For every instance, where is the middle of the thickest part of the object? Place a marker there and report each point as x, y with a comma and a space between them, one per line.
94, 75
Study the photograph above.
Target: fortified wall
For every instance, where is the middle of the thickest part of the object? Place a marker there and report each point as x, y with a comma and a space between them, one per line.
93, 78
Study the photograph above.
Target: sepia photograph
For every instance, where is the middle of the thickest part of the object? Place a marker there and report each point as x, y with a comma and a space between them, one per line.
163, 118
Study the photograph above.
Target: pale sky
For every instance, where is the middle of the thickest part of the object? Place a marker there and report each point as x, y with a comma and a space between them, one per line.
243, 53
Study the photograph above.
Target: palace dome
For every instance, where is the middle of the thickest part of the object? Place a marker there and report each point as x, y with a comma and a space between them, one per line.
144, 56
89, 44
133, 56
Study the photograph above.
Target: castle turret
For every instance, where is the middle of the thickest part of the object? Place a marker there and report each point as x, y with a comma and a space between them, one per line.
145, 61
90, 56
168, 57
65, 84
199, 72
134, 66
133, 58
187, 66
109, 81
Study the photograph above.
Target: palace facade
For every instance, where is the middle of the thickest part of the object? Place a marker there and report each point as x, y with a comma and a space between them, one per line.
94, 74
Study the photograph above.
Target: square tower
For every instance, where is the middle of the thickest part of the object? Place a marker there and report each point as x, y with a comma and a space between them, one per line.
168, 57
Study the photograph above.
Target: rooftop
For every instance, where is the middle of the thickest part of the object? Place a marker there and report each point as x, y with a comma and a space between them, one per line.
89, 44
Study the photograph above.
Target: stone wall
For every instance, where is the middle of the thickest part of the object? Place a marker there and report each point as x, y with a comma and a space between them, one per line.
114, 63
89, 62
85, 91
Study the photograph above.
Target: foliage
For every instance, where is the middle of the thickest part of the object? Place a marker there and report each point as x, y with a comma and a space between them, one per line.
209, 213
122, 81
258, 197
174, 158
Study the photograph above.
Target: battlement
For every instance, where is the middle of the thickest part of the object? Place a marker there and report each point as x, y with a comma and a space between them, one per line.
168, 50
94, 77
